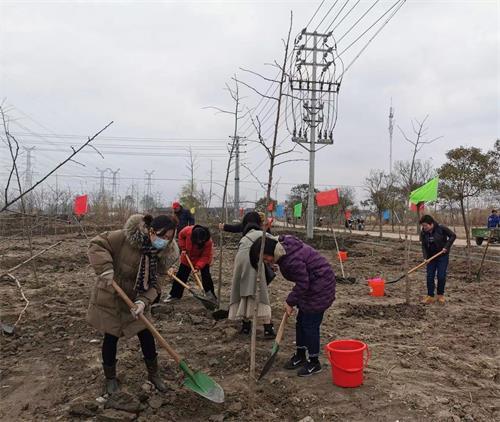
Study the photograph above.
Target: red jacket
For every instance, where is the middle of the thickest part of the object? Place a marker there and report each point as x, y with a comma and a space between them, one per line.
199, 257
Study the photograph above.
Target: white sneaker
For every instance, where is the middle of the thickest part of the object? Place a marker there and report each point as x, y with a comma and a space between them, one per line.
170, 298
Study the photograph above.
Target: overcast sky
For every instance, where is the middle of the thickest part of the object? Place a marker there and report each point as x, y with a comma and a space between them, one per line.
68, 68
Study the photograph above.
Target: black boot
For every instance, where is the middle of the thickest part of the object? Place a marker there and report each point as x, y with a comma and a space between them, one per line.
269, 331
154, 374
246, 327
111, 385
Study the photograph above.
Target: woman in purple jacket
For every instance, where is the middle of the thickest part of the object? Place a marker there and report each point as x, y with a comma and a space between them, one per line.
313, 293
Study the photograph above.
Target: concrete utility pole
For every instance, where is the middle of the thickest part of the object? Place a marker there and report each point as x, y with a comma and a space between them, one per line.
314, 89
391, 129
236, 139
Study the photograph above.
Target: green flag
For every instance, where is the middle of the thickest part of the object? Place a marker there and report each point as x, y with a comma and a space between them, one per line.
425, 193
297, 210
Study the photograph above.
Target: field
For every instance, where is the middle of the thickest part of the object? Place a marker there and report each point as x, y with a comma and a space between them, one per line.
434, 363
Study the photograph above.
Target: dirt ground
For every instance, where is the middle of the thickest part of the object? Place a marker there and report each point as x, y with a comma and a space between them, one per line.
434, 363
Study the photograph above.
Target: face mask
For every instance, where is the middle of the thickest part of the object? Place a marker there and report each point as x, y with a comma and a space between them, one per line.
159, 243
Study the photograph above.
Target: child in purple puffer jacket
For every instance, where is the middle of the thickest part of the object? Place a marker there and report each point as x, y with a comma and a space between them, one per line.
313, 293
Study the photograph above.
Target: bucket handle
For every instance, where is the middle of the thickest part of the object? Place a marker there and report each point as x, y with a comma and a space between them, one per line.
368, 356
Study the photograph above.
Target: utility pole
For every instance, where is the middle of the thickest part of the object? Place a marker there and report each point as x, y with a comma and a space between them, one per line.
391, 129
315, 93
101, 183
236, 139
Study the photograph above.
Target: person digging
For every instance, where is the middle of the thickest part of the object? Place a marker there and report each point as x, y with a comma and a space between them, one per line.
313, 293
134, 257
435, 238
195, 244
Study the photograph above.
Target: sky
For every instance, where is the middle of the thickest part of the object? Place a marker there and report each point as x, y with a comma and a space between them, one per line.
69, 68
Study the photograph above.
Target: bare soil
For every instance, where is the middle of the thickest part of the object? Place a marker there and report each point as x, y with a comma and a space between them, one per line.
427, 363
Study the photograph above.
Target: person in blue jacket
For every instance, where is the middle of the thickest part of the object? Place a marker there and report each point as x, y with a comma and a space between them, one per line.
493, 220
183, 215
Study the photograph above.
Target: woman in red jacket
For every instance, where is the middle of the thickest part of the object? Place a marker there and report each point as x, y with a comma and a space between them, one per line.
195, 242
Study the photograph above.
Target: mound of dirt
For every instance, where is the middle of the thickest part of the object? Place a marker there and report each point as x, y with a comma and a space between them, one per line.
400, 310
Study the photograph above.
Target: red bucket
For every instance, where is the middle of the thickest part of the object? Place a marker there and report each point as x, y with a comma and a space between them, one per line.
343, 256
347, 360
376, 286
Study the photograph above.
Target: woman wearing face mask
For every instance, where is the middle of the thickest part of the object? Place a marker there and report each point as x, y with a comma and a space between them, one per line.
134, 257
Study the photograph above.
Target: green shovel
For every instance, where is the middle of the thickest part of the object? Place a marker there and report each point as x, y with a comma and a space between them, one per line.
197, 381
276, 347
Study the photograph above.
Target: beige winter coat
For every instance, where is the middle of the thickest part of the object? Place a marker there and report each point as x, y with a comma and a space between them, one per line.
119, 250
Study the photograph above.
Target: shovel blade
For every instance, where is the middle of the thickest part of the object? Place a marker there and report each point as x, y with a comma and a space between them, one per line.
202, 384
270, 361
8, 329
207, 303
220, 314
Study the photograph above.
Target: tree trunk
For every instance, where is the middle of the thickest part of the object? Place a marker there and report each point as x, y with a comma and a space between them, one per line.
467, 237
380, 223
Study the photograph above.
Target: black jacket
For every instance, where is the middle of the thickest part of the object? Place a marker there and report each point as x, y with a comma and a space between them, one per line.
438, 238
185, 219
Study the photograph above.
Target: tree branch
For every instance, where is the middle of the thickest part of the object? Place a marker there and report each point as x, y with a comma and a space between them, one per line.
256, 91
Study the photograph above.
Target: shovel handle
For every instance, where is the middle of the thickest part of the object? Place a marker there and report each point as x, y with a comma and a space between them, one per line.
148, 324
425, 262
181, 282
196, 276
281, 329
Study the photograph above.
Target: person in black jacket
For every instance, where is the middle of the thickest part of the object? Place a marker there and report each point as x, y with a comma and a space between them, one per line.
183, 215
435, 238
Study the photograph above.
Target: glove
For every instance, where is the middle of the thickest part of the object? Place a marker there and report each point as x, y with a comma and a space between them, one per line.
139, 308
105, 279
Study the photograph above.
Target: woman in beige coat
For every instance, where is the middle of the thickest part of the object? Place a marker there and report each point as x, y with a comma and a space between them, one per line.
134, 257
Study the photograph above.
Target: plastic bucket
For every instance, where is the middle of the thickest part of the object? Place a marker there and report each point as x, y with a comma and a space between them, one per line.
347, 360
343, 256
376, 286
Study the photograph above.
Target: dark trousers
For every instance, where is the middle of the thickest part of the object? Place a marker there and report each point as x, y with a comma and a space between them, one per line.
110, 343
307, 332
183, 274
439, 266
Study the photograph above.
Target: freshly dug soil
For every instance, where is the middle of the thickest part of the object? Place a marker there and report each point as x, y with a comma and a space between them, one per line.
427, 363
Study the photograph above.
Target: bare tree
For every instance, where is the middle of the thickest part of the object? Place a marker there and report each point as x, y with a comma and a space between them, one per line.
418, 141
380, 189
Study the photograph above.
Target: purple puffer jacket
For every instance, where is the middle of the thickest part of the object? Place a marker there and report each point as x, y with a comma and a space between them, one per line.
314, 289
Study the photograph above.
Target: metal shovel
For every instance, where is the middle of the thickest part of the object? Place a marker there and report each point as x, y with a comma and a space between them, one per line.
207, 303
415, 268
276, 347
197, 381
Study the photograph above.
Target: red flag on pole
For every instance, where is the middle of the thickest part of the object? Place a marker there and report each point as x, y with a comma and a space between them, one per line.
348, 215
326, 198
81, 206
413, 207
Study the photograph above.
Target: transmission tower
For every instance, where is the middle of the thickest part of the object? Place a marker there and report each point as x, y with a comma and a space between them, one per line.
114, 188
101, 183
236, 139
391, 128
28, 177
314, 90
148, 203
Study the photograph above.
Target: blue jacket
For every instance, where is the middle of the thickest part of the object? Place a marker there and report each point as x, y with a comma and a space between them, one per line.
185, 219
493, 221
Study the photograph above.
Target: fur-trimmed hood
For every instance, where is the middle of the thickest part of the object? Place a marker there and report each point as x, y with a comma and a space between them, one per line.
135, 230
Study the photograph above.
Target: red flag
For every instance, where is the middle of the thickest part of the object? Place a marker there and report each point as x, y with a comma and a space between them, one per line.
326, 198
413, 207
348, 215
242, 211
81, 206
270, 206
